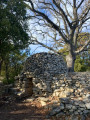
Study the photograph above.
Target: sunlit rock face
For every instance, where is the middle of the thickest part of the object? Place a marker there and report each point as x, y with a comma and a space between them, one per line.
45, 64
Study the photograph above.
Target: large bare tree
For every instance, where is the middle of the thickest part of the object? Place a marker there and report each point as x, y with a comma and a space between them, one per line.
64, 20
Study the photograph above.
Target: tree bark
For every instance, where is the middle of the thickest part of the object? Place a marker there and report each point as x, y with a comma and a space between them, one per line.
6, 70
1, 61
70, 59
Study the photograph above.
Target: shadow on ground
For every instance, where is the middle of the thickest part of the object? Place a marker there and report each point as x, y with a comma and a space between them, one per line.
21, 111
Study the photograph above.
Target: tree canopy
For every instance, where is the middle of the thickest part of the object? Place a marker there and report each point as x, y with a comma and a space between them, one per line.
62, 21
13, 33
12, 26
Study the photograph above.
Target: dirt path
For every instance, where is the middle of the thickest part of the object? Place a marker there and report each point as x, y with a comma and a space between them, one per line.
22, 111
10, 109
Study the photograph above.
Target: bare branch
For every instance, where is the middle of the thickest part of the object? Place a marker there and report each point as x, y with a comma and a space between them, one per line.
66, 22
63, 13
84, 13
66, 27
68, 12
80, 4
78, 51
35, 41
74, 3
83, 22
49, 21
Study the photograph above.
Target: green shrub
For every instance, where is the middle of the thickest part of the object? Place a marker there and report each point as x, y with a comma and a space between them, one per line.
9, 81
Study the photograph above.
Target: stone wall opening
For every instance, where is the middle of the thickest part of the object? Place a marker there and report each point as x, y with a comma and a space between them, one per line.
29, 87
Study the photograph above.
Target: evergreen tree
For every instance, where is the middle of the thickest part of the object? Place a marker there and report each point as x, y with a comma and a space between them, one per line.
13, 28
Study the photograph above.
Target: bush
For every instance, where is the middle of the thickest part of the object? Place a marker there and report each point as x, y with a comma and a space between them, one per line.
9, 81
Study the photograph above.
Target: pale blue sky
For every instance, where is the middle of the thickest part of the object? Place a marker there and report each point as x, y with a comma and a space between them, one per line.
38, 48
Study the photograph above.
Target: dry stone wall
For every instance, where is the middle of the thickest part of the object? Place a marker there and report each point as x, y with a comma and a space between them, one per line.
74, 94
41, 67
45, 75
72, 89
45, 65
73, 85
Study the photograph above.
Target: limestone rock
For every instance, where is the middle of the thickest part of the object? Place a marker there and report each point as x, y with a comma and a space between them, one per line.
87, 105
43, 103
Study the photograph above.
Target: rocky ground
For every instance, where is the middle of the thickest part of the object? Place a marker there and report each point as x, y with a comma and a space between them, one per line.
28, 108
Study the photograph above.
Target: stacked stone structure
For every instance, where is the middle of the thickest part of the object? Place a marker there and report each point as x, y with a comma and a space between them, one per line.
73, 91
45, 64
40, 69
45, 75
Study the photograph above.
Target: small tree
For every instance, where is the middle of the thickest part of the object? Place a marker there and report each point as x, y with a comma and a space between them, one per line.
66, 19
13, 65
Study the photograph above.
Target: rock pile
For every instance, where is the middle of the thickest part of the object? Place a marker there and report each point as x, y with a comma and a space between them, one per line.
40, 69
72, 89
71, 108
45, 75
72, 85
45, 64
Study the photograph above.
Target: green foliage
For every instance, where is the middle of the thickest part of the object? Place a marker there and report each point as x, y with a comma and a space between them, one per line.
9, 81
82, 62
5, 81
79, 65
12, 26
14, 62
82, 38
13, 37
64, 50
82, 65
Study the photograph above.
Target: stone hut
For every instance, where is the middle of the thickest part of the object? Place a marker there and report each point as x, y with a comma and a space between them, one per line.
38, 73
45, 74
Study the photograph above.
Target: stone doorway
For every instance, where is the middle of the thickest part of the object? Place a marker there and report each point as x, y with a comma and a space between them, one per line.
29, 87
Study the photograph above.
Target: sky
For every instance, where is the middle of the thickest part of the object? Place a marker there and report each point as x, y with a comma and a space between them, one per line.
38, 48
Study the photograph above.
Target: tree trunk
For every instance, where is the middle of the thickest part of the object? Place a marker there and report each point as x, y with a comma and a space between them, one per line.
6, 70
1, 61
70, 59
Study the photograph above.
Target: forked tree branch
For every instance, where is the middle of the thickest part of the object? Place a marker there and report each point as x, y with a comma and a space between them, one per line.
63, 13
82, 49
71, 27
56, 27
